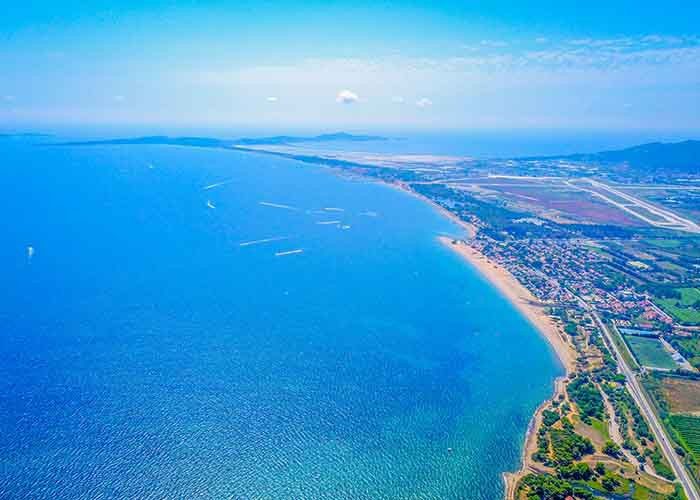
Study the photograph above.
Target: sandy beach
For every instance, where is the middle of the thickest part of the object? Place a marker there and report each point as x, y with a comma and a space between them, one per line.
520, 297
535, 312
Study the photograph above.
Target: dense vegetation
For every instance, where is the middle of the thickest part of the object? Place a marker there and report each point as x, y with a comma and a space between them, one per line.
550, 487
689, 348
586, 395
568, 446
550, 417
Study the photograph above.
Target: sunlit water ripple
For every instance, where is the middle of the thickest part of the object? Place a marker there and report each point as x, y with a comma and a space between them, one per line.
147, 354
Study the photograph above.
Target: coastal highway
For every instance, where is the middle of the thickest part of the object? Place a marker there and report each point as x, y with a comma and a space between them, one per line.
646, 409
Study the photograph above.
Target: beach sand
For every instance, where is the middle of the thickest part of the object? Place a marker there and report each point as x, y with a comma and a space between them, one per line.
520, 297
536, 314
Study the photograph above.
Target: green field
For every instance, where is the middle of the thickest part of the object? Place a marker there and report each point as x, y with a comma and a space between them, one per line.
689, 296
664, 243
650, 352
601, 427
689, 429
674, 268
686, 309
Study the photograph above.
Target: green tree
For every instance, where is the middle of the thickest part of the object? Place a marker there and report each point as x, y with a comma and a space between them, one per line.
610, 481
611, 449
578, 471
550, 417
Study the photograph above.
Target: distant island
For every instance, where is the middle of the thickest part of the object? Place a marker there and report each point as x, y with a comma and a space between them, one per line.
290, 139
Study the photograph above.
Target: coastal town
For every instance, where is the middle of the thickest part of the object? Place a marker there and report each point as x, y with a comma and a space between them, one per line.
624, 421
565, 280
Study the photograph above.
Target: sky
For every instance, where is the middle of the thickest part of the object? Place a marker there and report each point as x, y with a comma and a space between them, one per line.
424, 65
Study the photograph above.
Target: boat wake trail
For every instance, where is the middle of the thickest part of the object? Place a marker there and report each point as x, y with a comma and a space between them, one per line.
216, 184
277, 205
265, 240
288, 252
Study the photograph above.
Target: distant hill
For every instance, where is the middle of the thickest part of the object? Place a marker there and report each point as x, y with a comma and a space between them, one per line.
287, 139
209, 142
679, 157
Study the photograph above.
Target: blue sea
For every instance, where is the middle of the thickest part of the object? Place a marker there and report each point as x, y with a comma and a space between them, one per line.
146, 353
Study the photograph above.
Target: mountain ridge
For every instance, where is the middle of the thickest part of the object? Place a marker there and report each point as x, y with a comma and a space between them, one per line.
683, 156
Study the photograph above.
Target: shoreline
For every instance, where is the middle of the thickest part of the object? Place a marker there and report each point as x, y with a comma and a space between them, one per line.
468, 227
518, 296
528, 305
533, 311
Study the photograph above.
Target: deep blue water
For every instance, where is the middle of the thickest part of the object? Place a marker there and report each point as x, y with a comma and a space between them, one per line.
146, 354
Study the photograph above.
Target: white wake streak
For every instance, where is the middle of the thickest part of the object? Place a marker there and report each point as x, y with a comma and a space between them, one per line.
288, 252
277, 205
216, 184
260, 242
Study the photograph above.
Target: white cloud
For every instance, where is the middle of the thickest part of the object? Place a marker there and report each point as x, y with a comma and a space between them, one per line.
494, 43
424, 102
271, 99
607, 72
347, 97
602, 62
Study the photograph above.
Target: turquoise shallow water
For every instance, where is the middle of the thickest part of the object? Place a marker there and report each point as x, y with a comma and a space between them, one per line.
147, 354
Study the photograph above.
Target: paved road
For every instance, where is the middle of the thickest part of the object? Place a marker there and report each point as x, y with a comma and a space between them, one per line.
615, 433
645, 407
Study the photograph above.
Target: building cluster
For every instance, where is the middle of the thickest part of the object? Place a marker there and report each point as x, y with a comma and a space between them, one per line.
559, 271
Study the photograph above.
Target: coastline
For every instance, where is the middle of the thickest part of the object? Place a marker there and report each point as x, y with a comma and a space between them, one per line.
531, 308
535, 313
468, 227
519, 296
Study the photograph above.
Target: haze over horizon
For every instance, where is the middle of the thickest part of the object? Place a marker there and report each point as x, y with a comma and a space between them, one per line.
352, 65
